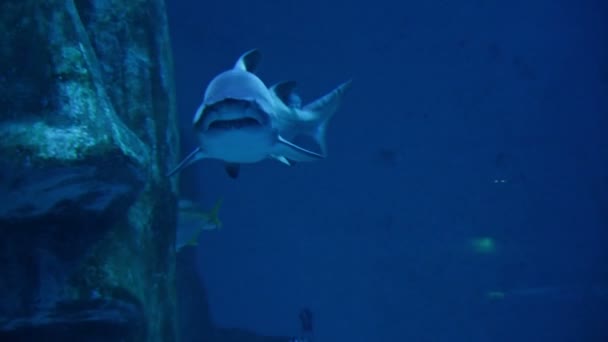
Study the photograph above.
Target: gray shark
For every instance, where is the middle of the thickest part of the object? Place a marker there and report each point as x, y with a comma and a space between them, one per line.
241, 120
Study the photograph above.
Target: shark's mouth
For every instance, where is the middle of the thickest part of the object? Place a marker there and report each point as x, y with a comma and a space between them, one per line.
234, 123
232, 114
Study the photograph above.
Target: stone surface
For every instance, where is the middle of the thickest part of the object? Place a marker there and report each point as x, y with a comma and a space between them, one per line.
87, 130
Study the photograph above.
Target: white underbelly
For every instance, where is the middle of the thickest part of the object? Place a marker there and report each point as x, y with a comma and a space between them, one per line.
238, 146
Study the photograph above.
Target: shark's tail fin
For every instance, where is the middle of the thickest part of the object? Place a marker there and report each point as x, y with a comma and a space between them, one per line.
324, 108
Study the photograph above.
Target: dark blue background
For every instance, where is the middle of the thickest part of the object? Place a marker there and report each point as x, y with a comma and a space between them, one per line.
448, 98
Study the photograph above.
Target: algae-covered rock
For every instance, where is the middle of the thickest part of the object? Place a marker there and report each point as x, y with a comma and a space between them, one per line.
87, 129
62, 145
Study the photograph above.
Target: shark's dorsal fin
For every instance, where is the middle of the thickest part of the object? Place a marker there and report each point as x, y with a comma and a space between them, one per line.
249, 61
284, 91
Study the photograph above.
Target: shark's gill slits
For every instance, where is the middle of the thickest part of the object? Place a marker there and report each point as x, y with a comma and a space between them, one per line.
234, 124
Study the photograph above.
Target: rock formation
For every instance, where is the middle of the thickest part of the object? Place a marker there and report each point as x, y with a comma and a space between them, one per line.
87, 132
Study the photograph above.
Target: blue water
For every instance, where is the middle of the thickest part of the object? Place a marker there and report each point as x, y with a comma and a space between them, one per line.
466, 120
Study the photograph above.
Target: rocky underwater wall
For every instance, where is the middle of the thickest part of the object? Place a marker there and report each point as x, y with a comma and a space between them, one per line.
87, 132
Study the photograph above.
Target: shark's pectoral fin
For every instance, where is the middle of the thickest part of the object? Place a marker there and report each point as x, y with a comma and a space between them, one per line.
233, 170
289, 152
194, 156
283, 160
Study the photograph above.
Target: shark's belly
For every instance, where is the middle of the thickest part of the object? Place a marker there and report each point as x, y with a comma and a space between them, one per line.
238, 146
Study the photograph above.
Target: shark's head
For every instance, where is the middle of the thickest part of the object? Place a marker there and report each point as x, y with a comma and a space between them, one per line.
235, 99
236, 113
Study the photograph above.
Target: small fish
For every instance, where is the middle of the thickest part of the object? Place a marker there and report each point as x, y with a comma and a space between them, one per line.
592, 291
241, 120
192, 220
483, 245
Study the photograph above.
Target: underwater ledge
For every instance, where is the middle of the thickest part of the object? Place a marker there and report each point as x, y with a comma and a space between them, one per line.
89, 321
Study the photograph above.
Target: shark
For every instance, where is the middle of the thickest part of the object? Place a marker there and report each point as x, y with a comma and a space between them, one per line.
241, 120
